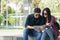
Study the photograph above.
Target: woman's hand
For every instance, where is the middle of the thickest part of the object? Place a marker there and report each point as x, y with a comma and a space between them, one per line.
50, 25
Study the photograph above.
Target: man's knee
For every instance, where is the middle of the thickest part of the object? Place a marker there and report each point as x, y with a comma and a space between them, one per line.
26, 30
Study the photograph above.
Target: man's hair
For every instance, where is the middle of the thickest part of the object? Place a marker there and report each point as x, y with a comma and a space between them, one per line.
37, 10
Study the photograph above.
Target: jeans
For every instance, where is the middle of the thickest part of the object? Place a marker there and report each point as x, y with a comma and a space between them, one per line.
31, 32
48, 32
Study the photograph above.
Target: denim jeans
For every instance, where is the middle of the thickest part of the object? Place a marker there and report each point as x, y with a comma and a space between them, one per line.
31, 32
48, 32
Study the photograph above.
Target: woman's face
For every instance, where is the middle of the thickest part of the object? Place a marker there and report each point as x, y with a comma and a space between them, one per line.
45, 14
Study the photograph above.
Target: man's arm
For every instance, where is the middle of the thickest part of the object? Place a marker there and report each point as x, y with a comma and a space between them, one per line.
44, 22
27, 24
27, 21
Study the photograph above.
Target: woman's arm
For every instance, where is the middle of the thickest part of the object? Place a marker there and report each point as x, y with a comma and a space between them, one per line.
52, 21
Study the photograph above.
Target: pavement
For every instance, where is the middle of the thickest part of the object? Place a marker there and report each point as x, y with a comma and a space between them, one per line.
13, 34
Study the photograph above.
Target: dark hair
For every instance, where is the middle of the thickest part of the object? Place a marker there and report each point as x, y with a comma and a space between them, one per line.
37, 10
48, 13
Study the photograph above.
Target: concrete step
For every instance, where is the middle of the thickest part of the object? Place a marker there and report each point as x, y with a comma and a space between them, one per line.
14, 35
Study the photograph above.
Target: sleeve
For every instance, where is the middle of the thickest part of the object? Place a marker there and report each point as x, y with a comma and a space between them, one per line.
27, 21
52, 21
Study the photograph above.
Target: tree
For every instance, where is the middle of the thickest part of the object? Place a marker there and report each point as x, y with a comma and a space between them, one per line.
36, 3
1, 18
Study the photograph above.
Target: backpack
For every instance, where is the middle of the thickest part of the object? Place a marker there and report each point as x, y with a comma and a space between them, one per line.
57, 25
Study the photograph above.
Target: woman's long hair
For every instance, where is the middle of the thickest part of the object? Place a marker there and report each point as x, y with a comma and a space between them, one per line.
48, 13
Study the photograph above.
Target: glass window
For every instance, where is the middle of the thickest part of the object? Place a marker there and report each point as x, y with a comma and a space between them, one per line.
13, 13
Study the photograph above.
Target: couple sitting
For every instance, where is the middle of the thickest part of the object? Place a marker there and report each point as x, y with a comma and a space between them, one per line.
40, 26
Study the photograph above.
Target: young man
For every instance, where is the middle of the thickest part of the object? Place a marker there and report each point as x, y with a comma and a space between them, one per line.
33, 20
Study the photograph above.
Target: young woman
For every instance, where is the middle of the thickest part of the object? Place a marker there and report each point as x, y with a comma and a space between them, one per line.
50, 26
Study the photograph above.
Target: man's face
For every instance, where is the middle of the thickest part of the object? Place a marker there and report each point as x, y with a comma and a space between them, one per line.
36, 15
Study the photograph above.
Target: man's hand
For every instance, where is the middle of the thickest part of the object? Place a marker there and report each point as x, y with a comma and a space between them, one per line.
44, 26
30, 27
38, 29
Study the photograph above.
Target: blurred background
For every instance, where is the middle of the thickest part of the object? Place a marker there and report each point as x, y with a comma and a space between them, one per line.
13, 13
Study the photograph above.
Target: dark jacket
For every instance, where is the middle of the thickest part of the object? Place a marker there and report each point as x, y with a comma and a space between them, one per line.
31, 21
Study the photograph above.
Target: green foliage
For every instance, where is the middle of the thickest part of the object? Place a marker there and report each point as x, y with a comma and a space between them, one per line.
10, 19
1, 18
35, 3
10, 10
0, 0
